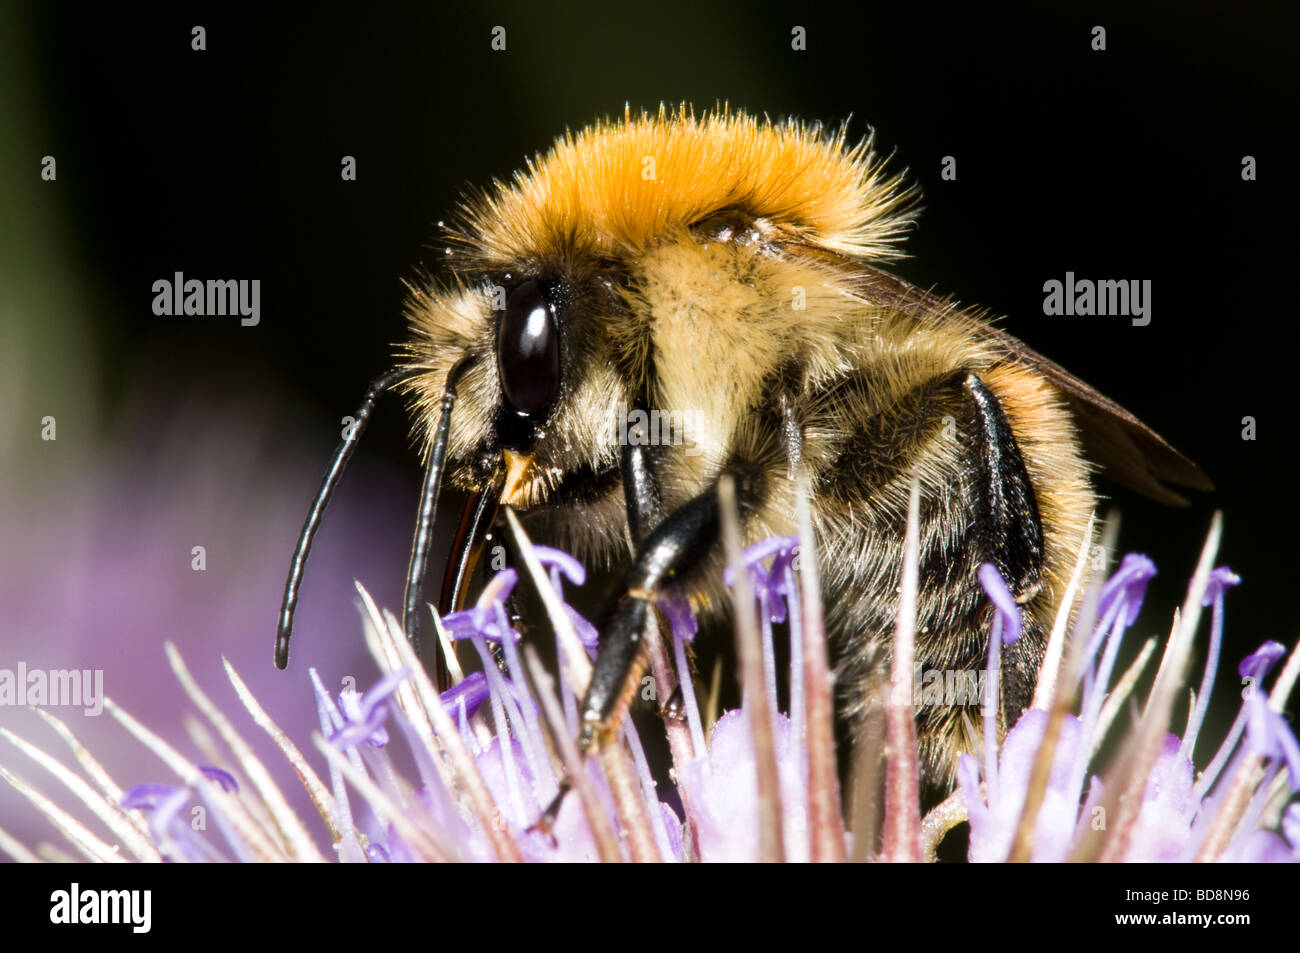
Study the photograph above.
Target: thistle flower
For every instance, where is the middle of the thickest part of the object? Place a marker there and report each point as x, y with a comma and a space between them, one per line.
164, 802
491, 754
1176, 813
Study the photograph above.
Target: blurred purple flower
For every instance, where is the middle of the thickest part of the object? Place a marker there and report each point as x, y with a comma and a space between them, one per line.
487, 776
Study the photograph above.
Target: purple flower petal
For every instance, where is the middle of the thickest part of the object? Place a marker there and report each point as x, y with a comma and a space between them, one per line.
147, 797
161, 823
372, 731
225, 780
474, 690
1291, 826
364, 717
1168, 807
1129, 583
1259, 847
1290, 751
498, 589
382, 690
1005, 603
586, 632
1260, 662
770, 585
993, 828
1268, 734
399, 851
723, 789
755, 554
572, 569
1221, 580
474, 622
678, 612
163, 802
785, 556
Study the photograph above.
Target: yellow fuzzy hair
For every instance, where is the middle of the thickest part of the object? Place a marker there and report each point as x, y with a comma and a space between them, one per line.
617, 186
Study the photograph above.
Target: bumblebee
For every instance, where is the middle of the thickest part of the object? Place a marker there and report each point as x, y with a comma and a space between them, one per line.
726, 270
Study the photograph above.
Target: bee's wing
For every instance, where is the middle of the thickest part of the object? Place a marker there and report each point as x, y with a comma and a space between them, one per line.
1129, 452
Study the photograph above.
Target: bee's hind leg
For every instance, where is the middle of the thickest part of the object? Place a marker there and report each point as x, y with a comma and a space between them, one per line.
1012, 535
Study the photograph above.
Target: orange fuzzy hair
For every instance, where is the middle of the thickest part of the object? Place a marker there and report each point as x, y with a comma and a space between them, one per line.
618, 186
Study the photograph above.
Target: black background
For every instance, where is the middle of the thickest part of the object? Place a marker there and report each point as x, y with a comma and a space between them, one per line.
1123, 164
1086, 898
1117, 164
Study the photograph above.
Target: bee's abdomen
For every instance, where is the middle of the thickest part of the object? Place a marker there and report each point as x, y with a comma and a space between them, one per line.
981, 496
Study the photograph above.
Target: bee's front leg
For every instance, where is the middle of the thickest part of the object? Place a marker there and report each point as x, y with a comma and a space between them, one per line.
676, 547
640, 483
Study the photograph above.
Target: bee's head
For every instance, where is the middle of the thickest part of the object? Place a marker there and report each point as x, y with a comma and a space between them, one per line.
534, 402
544, 271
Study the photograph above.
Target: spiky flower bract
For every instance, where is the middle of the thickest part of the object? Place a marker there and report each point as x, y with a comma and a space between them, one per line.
492, 753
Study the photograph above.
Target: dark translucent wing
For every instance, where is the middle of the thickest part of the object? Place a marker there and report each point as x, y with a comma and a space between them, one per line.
1127, 450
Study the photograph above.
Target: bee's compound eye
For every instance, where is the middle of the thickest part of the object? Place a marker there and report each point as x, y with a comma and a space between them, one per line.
528, 349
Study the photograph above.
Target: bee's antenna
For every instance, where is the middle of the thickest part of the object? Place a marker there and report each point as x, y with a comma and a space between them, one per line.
340, 460
418, 567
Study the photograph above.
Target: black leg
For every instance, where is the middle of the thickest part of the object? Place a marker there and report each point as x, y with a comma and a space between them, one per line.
678, 546
1008, 518
1012, 537
640, 486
